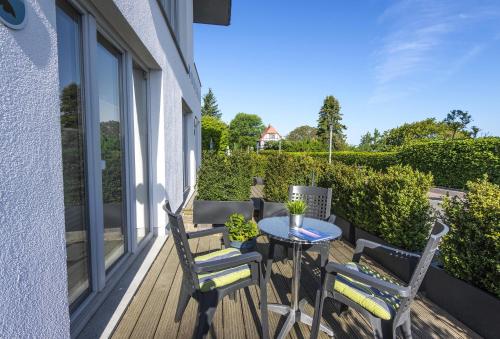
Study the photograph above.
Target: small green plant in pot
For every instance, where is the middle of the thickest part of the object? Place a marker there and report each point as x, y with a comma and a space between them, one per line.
296, 209
242, 233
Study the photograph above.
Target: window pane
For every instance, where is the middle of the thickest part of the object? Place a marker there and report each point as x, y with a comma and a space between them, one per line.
73, 153
109, 83
185, 147
141, 154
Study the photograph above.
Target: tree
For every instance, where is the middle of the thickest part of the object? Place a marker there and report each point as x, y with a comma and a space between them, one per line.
371, 143
330, 114
214, 133
474, 131
457, 120
210, 107
419, 130
245, 130
303, 133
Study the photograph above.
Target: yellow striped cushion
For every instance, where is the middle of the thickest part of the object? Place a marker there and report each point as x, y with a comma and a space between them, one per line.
380, 303
209, 281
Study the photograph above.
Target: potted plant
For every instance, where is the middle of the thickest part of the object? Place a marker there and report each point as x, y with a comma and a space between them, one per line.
296, 209
242, 232
224, 184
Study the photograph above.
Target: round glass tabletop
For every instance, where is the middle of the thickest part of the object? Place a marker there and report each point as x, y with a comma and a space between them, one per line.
279, 228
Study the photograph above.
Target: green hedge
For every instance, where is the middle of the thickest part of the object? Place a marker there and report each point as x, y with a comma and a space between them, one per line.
392, 205
283, 170
454, 162
471, 251
375, 160
259, 164
225, 178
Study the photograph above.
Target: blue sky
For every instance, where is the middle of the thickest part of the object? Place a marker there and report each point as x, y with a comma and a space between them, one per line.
387, 62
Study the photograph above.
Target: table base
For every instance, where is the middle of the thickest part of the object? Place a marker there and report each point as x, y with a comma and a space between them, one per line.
294, 317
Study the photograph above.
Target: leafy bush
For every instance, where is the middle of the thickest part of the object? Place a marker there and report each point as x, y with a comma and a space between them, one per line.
296, 207
240, 229
259, 164
375, 160
297, 146
471, 250
283, 170
225, 178
454, 162
392, 205
214, 131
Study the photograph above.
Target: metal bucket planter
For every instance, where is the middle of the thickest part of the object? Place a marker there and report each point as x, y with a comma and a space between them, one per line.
476, 308
217, 212
244, 246
296, 220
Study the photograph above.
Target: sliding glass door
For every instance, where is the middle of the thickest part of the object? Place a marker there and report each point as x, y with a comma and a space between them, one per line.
105, 152
109, 61
73, 151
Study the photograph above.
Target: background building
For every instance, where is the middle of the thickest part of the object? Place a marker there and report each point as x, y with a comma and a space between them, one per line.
269, 134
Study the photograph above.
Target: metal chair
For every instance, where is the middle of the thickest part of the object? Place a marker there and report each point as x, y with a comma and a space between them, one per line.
384, 303
209, 278
318, 201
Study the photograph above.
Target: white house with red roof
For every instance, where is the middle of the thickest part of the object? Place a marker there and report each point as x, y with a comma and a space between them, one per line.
269, 134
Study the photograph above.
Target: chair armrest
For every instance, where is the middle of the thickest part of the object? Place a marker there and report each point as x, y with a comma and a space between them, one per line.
334, 268
221, 264
211, 231
204, 233
361, 244
331, 219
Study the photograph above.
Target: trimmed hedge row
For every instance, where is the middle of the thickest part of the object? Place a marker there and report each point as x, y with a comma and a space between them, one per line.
375, 160
451, 162
471, 251
454, 162
392, 205
284, 170
225, 178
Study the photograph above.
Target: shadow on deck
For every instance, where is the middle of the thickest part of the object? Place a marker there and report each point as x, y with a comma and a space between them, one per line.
151, 312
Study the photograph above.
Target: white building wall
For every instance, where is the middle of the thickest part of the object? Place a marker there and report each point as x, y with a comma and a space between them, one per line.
33, 292
149, 24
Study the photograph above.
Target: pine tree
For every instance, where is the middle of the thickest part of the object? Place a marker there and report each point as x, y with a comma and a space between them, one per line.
210, 107
330, 113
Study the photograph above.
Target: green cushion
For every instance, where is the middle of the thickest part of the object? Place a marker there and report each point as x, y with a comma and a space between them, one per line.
381, 304
209, 281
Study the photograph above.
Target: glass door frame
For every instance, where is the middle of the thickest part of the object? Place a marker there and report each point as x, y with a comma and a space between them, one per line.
102, 282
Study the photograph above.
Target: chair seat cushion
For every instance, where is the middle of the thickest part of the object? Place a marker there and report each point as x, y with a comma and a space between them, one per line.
209, 281
381, 304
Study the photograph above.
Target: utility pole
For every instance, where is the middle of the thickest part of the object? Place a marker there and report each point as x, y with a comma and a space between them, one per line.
330, 147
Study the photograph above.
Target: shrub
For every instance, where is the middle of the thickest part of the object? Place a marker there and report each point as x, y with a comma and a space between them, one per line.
225, 178
259, 164
283, 170
454, 162
471, 250
240, 229
392, 205
375, 160
214, 131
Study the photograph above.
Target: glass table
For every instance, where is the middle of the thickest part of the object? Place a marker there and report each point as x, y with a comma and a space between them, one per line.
277, 228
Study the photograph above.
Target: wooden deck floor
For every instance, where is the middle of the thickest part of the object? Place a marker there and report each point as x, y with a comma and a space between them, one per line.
151, 312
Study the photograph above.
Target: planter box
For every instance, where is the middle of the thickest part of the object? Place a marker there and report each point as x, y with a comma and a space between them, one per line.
217, 212
476, 308
402, 268
245, 246
272, 209
347, 229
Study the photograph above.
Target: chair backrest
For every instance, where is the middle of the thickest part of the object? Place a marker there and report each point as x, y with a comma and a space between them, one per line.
438, 231
318, 200
181, 245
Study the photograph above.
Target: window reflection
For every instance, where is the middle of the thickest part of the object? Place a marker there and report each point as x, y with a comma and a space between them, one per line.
109, 84
72, 140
